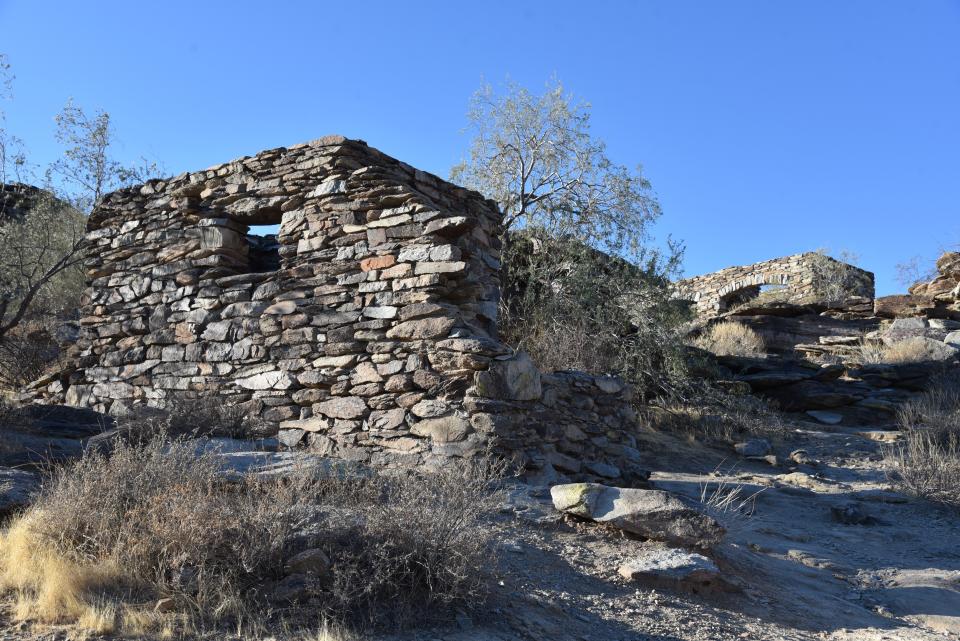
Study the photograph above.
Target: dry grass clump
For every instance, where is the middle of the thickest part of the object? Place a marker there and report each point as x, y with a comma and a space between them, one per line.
730, 338
908, 350
144, 521
927, 463
114, 533
421, 542
722, 416
192, 417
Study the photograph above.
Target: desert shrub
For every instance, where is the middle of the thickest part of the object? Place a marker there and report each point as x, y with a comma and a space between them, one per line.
714, 413
908, 350
190, 416
927, 463
28, 351
159, 520
836, 281
572, 307
146, 519
926, 467
422, 543
730, 338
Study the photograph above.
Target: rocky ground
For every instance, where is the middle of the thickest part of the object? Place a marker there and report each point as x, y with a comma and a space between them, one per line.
824, 550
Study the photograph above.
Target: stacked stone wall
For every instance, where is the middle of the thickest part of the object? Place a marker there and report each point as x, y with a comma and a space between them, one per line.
374, 340
798, 275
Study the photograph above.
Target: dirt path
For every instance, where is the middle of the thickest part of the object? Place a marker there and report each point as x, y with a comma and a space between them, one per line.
801, 574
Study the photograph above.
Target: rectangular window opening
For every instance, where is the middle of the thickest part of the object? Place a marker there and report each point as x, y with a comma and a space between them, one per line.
263, 248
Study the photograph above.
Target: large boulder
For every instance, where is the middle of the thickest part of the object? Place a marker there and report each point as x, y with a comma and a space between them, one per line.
653, 514
511, 379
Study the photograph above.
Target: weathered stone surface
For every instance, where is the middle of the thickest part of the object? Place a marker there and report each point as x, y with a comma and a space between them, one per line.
443, 430
667, 568
312, 562
653, 514
343, 407
420, 329
267, 380
17, 488
827, 418
753, 447
516, 378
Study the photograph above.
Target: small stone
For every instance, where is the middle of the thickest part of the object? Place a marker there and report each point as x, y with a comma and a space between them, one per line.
608, 384
516, 379
827, 418
267, 380
343, 407
422, 328
380, 312
312, 562
442, 430
753, 447
377, 262
282, 308
429, 408
851, 514
672, 569
653, 514
602, 469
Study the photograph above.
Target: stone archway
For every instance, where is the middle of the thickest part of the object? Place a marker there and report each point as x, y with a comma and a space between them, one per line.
799, 275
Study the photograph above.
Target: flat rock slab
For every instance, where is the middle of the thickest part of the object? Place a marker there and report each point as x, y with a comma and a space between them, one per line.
652, 514
17, 488
667, 568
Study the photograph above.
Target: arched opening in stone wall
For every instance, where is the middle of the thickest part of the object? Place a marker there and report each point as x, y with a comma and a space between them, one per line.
761, 289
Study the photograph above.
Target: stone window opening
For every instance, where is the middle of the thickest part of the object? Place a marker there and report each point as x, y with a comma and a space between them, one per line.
263, 248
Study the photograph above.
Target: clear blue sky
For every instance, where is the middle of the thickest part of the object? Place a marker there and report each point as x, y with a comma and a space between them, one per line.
766, 128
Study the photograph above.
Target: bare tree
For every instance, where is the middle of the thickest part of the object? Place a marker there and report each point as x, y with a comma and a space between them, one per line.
584, 286
915, 270
535, 156
41, 230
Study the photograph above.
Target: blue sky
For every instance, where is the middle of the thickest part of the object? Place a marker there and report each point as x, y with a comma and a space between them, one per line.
766, 128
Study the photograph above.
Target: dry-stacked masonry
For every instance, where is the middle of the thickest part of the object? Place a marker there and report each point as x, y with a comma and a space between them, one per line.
715, 293
366, 326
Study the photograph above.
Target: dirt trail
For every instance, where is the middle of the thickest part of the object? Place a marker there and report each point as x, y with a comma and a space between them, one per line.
801, 574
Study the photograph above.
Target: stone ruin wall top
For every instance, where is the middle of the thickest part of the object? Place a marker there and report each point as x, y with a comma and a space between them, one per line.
374, 337
797, 274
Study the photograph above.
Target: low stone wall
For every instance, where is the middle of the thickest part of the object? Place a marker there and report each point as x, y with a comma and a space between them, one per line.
367, 327
712, 294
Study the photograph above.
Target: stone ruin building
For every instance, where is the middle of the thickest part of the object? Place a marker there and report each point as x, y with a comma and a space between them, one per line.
797, 276
366, 327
